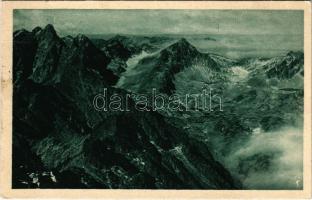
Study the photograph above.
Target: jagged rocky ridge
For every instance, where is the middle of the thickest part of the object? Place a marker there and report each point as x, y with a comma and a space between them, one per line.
130, 45
61, 141
282, 67
121, 48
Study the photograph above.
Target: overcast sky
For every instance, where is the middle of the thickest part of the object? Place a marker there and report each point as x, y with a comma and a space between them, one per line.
162, 21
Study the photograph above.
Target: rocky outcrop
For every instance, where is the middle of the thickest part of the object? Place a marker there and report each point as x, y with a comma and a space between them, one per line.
287, 66
47, 54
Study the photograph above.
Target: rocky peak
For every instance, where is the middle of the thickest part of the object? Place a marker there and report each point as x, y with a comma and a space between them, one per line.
119, 47
68, 40
48, 32
20, 33
119, 38
47, 54
183, 41
166, 64
50, 27
85, 44
36, 30
181, 52
182, 46
81, 38
295, 54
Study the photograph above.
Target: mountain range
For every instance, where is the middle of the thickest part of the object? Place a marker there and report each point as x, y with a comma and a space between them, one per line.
61, 141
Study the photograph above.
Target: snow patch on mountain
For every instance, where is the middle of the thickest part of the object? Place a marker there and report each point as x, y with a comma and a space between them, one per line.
130, 70
239, 73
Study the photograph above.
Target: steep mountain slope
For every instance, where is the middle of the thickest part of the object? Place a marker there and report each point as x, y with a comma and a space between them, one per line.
158, 70
61, 141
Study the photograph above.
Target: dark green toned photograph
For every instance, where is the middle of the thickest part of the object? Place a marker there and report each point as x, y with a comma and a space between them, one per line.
158, 99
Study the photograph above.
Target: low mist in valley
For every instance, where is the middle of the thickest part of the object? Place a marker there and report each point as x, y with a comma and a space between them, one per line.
269, 160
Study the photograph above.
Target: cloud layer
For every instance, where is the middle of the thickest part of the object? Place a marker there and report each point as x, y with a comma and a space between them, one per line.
163, 21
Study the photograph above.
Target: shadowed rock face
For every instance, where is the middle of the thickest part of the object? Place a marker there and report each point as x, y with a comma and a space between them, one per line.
61, 141
24, 47
287, 67
117, 48
282, 67
47, 55
123, 47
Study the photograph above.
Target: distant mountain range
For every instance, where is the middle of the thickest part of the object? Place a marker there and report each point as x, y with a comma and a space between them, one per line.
61, 139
